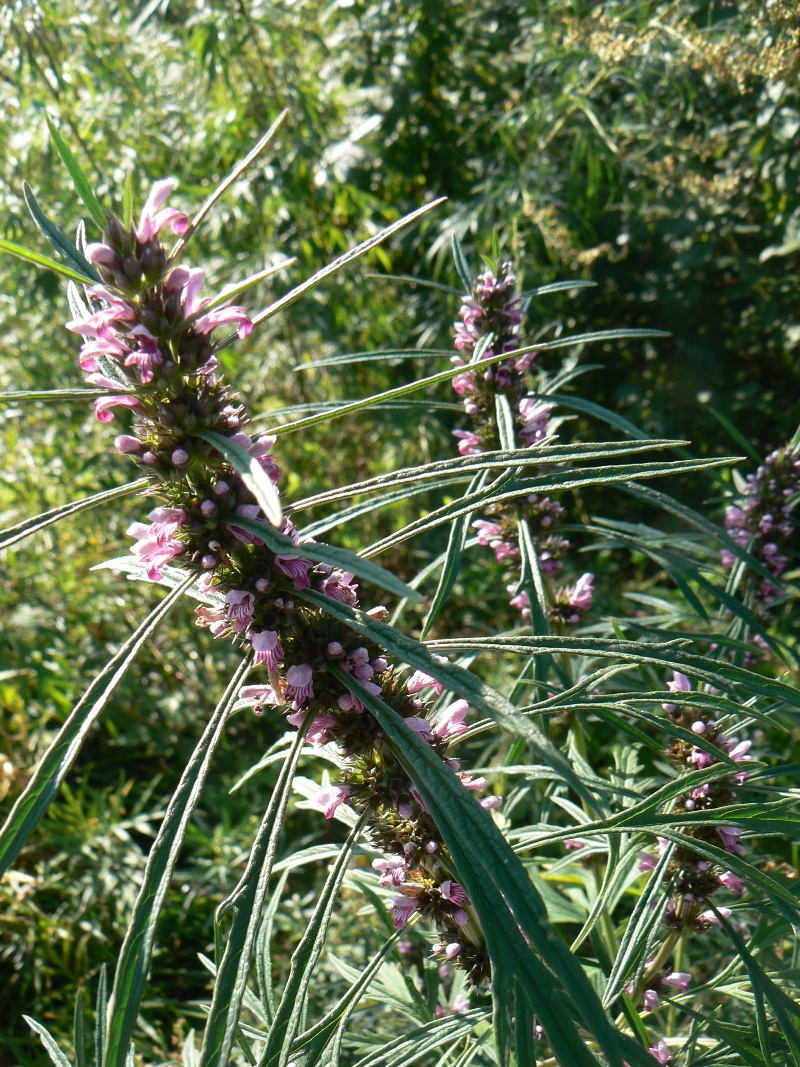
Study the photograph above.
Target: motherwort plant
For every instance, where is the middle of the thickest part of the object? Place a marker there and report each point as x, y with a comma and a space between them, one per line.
405, 719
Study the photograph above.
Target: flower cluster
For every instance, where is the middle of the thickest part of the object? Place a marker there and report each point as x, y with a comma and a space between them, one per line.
762, 520
488, 325
148, 340
695, 879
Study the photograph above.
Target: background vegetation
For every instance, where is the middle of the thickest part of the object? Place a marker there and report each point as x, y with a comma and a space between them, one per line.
650, 147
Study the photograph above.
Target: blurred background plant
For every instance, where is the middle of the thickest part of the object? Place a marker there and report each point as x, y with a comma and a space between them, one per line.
652, 148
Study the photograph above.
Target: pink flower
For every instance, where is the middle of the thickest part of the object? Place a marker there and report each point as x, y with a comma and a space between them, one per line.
156, 543
450, 722
247, 511
300, 684
710, 917
579, 596
267, 647
240, 608
420, 680
661, 1053
739, 751
296, 568
103, 405
535, 416
330, 797
679, 980
402, 909
146, 356
155, 216
731, 881
392, 870
487, 531
222, 316
490, 803
468, 442
701, 759
647, 862
679, 684
101, 254
216, 621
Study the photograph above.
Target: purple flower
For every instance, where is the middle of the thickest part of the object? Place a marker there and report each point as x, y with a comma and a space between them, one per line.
247, 511
155, 216
222, 316
300, 683
156, 544
651, 1000
710, 917
535, 416
661, 1053
579, 596
146, 356
296, 568
240, 608
647, 862
420, 726
730, 838
127, 445
488, 532
402, 909
319, 730
267, 647
261, 694
330, 797
453, 893
392, 870
490, 803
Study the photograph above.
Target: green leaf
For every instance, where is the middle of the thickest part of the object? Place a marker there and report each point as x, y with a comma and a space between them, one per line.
54, 396
252, 473
412, 1047
462, 265
246, 904
446, 375
60, 242
42, 261
128, 198
342, 558
57, 1057
292, 1006
51, 770
79, 180
78, 1039
512, 913
393, 355
12, 534
137, 948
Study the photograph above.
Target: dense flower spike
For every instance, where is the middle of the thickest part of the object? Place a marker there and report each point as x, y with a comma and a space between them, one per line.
489, 323
762, 521
147, 339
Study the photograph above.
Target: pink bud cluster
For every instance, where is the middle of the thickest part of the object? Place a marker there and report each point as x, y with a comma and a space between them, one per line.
489, 323
762, 521
147, 336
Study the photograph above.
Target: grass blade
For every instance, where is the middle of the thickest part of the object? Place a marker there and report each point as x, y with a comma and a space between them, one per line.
51, 770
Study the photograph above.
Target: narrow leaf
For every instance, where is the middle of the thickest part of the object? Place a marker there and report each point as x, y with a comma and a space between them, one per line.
79, 180
42, 261
60, 242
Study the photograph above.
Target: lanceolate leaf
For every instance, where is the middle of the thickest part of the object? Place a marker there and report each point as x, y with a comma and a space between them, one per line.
60, 242
42, 261
79, 180
246, 904
460, 681
137, 948
343, 558
253, 474
57, 1057
513, 916
46, 779
12, 534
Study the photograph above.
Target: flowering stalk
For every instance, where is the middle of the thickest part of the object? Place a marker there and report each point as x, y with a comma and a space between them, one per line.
762, 522
489, 323
695, 879
148, 341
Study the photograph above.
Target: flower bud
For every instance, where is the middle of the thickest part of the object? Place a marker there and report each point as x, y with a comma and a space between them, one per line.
180, 457
335, 650
128, 445
207, 508
208, 562
220, 488
150, 459
262, 585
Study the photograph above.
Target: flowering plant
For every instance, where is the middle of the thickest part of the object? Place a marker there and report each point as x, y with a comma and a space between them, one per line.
605, 975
